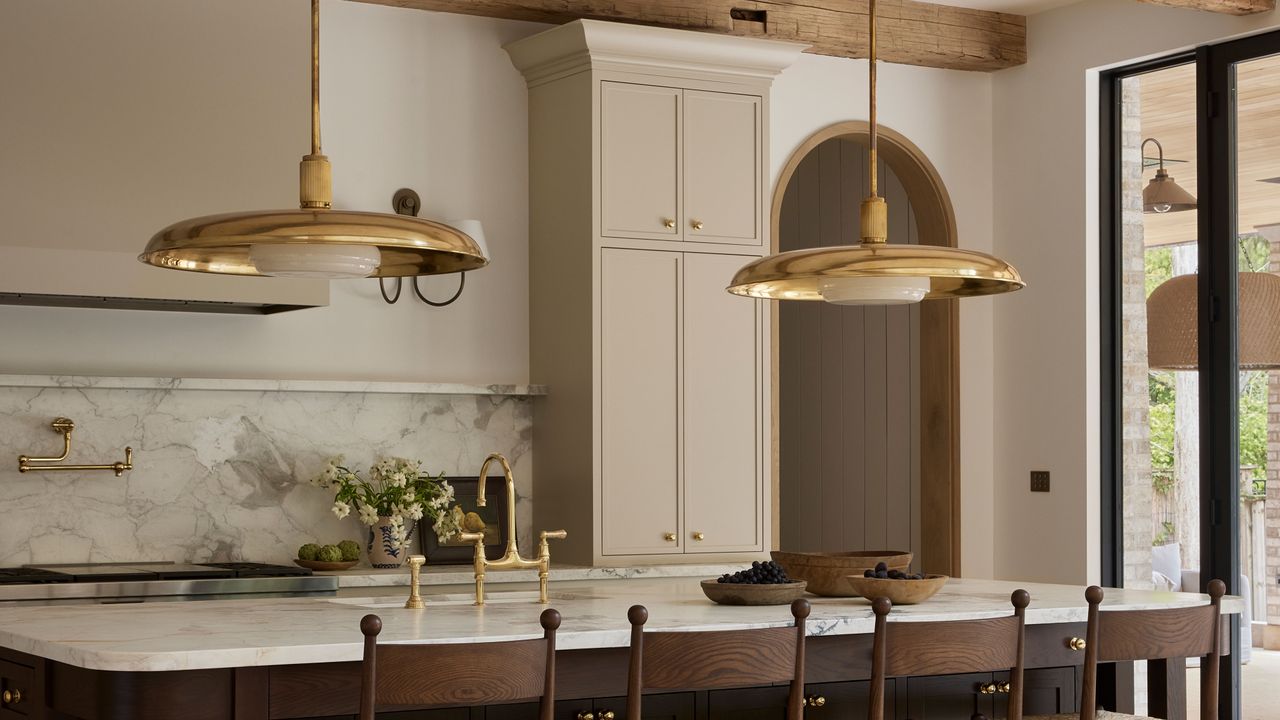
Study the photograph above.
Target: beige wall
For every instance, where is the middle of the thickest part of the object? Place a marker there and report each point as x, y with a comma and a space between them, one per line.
122, 117
947, 114
1046, 223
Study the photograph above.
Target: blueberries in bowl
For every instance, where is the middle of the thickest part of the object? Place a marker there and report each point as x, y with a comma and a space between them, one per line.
883, 572
760, 573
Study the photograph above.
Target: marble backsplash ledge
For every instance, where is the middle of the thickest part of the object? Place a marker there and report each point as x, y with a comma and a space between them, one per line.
221, 474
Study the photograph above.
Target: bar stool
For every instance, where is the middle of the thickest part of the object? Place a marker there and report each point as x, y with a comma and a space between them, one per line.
946, 648
1155, 634
466, 674
714, 660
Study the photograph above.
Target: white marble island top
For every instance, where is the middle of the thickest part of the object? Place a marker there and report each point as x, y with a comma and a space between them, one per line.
284, 631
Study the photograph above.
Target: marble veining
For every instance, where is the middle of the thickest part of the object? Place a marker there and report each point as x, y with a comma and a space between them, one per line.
338, 386
221, 474
282, 631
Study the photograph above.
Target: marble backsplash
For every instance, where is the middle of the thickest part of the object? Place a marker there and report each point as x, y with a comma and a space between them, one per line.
220, 471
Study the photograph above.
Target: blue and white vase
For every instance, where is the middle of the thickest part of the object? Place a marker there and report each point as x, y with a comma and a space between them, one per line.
384, 552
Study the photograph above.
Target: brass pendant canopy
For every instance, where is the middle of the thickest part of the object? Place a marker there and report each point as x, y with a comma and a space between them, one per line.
406, 245
1162, 194
875, 272
1173, 331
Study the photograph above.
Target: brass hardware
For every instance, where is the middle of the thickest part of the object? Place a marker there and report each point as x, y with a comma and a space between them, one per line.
586, 715
1004, 686
699, 536
669, 223
945, 272
1076, 643
697, 224
607, 715
415, 600
511, 559
815, 701
987, 688
669, 537
63, 427
12, 697
221, 243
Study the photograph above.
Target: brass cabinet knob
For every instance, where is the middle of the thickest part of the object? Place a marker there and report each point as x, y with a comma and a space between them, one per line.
697, 224
1004, 687
1076, 643
699, 536
586, 715
815, 701
12, 697
669, 537
669, 223
987, 688
606, 715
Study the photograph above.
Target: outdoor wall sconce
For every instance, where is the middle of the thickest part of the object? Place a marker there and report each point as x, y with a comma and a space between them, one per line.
1162, 194
63, 427
405, 201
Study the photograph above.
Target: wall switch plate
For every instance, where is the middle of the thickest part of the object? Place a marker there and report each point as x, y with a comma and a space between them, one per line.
1039, 481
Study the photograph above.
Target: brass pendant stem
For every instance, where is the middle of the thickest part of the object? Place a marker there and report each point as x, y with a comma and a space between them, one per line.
874, 169
315, 175
315, 77
874, 213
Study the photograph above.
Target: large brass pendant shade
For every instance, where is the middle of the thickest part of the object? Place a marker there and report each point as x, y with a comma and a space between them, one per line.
875, 272
314, 241
1173, 332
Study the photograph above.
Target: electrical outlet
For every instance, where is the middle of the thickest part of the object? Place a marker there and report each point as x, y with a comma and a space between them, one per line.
1039, 481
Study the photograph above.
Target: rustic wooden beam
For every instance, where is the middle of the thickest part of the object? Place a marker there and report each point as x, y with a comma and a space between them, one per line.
913, 33
1230, 7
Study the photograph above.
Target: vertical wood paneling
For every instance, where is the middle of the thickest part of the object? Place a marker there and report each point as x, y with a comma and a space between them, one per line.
917, 414
849, 404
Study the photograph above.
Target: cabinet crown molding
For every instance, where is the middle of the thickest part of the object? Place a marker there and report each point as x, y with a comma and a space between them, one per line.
586, 44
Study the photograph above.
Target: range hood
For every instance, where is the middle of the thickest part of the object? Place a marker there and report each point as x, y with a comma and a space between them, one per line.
116, 280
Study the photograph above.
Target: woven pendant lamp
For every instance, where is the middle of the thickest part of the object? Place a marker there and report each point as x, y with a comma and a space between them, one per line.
1173, 333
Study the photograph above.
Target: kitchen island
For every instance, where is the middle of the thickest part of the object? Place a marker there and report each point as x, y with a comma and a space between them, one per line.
299, 657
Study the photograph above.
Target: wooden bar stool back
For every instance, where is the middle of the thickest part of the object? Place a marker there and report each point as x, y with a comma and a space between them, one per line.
948, 648
715, 660
459, 674
1153, 634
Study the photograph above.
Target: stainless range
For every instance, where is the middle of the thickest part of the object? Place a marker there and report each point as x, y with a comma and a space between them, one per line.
157, 581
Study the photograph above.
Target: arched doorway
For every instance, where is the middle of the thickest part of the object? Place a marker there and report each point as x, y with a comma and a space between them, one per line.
868, 457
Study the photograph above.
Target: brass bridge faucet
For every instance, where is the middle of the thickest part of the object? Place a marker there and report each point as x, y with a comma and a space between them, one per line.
510, 560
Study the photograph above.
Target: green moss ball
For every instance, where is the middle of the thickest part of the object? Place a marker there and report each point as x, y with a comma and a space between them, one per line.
329, 553
310, 551
350, 550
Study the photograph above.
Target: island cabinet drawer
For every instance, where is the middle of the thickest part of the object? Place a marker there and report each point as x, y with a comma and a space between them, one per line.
17, 691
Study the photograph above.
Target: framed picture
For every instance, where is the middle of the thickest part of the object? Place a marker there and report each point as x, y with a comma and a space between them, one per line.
490, 520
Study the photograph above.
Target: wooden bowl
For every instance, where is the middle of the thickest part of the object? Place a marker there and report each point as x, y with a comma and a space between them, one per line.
899, 592
736, 594
826, 572
319, 565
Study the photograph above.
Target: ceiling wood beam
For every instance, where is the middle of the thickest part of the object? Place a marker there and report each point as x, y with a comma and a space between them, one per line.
913, 33
1230, 7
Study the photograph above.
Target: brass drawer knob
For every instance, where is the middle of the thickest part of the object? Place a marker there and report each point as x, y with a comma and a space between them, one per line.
606, 715
1004, 687
815, 701
697, 224
699, 536
12, 697
1076, 643
585, 715
987, 688
669, 537
669, 223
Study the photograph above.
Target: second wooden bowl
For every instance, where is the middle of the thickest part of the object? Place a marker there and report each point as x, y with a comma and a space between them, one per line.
741, 594
826, 572
899, 592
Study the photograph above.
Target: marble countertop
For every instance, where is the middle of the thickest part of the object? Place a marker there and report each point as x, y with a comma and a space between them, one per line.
433, 575
262, 385
284, 631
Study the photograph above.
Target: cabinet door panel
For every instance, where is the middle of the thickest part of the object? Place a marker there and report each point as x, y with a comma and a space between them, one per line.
639, 161
722, 489
662, 706
722, 167
640, 416
761, 703
945, 697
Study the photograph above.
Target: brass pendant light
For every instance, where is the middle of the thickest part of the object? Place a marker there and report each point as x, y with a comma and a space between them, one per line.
1162, 194
875, 272
315, 240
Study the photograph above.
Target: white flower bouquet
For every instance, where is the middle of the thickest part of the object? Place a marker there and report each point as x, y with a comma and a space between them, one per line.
397, 489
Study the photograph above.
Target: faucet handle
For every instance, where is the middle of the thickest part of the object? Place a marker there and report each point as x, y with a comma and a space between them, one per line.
552, 535
471, 537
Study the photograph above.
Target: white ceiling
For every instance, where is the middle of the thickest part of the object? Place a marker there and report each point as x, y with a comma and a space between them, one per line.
1019, 7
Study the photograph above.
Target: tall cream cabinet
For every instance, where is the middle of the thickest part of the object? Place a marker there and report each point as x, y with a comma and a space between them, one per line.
648, 154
